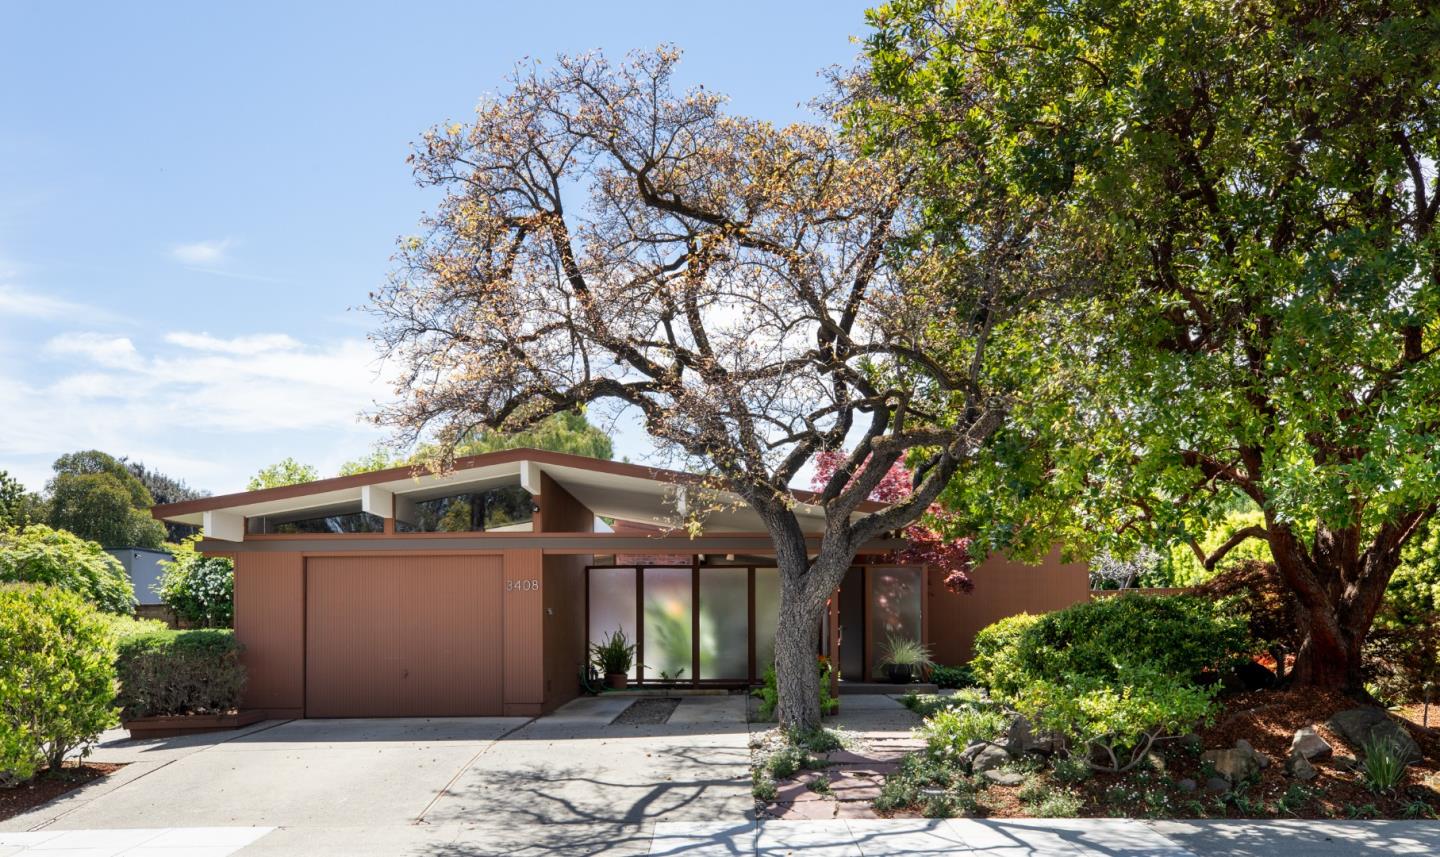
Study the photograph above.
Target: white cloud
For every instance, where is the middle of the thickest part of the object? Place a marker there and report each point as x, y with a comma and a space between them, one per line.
16, 302
214, 409
203, 253
105, 350
256, 344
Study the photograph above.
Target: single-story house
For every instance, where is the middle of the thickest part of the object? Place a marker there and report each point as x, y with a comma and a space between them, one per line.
478, 591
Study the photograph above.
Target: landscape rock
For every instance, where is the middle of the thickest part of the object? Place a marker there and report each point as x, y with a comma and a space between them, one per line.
989, 758
1187, 785
1346, 763
1299, 767
1005, 778
1359, 726
1260, 758
1308, 743
1021, 738
1156, 762
1235, 765
1217, 786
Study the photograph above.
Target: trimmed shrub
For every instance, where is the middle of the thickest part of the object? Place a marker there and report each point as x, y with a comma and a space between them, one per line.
951, 677
1116, 719
122, 628
200, 589
57, 677
39, 554
996, 649
1180, 635
180, 672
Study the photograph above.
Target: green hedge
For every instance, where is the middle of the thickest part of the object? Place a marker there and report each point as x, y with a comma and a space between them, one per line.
180, 672
57, 677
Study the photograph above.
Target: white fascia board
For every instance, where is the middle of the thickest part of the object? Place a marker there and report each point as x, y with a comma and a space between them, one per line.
225, 526
377, 501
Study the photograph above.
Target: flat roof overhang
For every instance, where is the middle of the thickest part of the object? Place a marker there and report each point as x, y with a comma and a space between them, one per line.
611, 489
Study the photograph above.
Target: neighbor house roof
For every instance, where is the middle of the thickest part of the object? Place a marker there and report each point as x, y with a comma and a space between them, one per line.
612, 489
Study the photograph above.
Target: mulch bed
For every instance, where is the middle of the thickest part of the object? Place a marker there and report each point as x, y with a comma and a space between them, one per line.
1268, 720
49, 785
648, 711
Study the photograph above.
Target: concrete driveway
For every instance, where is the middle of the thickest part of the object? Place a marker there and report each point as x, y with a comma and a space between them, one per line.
571, 783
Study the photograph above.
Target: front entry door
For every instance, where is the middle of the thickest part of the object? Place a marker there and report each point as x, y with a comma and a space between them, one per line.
852, 626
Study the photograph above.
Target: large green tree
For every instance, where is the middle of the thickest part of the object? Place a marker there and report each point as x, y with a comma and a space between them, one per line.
96, 497
287, 471
1259, 181
18, 506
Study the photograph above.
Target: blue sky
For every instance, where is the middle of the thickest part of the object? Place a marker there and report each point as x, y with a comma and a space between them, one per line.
194, 197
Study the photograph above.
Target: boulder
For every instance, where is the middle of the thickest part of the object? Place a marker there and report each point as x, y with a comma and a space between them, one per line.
1299, 767
1308, 743
1346, 763
989, 758
1260, 758
1187, 785
1217, 786
1021, 738
1005, 778
1235, 765
1359, 726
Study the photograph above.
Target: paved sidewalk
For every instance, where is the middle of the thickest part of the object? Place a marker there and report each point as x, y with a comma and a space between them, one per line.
130, 842
1071, 837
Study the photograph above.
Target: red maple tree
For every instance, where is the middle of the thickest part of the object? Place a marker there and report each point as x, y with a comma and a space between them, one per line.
928, 544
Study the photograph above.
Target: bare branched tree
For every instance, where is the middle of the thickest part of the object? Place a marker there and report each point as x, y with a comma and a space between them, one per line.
750, 290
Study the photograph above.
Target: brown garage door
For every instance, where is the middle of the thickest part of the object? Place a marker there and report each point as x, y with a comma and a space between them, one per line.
403, 636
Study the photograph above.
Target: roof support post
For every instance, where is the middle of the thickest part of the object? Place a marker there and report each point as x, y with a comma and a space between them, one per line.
226, 526
530, 477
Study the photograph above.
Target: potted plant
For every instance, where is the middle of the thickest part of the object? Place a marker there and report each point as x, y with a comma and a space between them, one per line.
904, 659
614, 656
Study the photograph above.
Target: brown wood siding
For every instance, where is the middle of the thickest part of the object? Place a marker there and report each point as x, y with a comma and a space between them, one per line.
403, 636
270, 624
1002, 588
565, 644
560, 512
524, 631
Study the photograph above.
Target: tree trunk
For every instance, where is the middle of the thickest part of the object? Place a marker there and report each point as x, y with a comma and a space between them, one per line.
796, 675
1339, 590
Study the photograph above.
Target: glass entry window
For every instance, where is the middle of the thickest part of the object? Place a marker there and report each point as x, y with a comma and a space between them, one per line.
894, 606
689, 624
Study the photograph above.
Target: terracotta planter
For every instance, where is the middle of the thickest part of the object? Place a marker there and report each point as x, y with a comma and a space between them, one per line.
168, 726
617, 681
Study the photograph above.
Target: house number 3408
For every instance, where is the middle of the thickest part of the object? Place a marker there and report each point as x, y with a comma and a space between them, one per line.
522, 585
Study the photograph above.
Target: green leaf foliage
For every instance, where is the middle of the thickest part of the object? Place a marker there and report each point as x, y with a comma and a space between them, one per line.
285, 472
180, 672
96, 496
1255, 187
57, 677
18, 507
39, 554
995, 663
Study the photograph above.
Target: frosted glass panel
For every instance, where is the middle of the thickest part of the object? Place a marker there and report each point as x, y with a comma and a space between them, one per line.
668, 637
612, 605
767, 616
724, 623
894, 607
